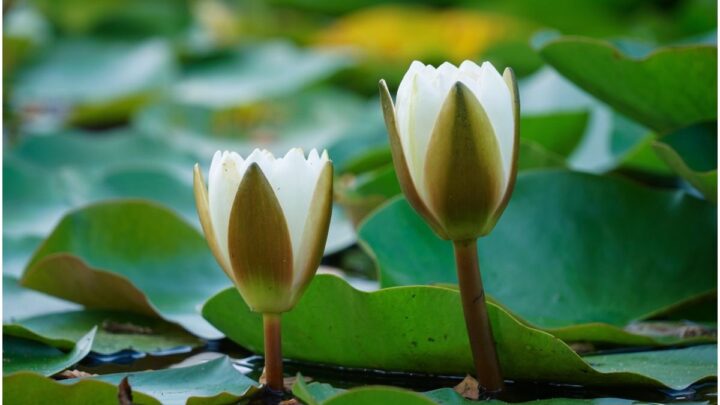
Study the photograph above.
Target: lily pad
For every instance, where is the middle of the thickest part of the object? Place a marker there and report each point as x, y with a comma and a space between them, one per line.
21, 354
94, 82
256, 73
559, 262
213, 382
422, 329
116, 331
19, 302
130, 256
45, 176
309, 119
687, 74
692, 153
317, 393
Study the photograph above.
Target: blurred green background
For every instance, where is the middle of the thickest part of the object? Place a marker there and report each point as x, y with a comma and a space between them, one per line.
118, 98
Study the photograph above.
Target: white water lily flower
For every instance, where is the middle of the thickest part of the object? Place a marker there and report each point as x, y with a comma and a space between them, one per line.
266, 220
454, 138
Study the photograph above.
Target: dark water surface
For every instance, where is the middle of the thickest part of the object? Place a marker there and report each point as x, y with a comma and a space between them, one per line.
250, 364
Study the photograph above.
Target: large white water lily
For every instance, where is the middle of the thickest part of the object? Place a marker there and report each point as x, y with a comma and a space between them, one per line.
454, 139
266, 220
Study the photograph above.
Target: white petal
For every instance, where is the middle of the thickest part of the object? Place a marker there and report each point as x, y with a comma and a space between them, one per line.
429, 90
223, 182
496, 99
294, 178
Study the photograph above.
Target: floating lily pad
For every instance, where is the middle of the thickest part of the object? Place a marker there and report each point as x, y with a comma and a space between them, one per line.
687, 74
214, 382
692, 153
130, 256
310, 119
116, 331
421, 328
19, 302
256, 73
45, 176
570, 249
317, 393
21, 354
94, 82
134, 18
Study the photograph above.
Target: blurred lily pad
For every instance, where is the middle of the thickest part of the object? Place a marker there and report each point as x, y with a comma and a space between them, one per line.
251, 74
46, 176
130, 256
213, 382
433, 338
21, 354
20, 302
116, 18
691, 153
91, 82
687, 74
559, 262
116, 331
311, 119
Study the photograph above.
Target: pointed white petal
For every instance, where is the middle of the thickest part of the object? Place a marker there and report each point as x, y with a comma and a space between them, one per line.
496, 99
223, 182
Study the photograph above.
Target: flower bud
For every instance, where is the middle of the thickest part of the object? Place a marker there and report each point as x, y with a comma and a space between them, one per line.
454, 140
266, 220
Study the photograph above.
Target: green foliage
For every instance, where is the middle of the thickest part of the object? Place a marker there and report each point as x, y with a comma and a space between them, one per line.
565, 251
116, 331
691, 153
665, 90
421, 328
132, 256
213, 382
20, 354
97, 82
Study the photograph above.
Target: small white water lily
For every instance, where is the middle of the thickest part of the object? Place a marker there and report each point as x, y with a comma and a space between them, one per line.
266, 220
454, 138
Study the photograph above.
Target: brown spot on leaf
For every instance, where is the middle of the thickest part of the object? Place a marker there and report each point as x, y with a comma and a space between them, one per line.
125, 327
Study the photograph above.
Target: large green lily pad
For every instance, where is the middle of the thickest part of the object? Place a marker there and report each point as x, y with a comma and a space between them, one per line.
570, 249
668, 89
131, 256
213, 382
21, 354
421, 328
116, 331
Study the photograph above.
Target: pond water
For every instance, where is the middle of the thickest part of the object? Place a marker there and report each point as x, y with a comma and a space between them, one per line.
339, 377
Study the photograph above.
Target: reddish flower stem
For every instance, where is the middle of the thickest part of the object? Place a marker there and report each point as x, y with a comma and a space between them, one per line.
482, 343
273, 352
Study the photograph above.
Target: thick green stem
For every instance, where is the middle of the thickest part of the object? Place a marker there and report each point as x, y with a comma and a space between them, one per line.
273, 352
477, 322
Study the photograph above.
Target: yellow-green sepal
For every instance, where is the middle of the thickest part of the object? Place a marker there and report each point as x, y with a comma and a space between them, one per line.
463, 168
203, 209
400, 163
259, 243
